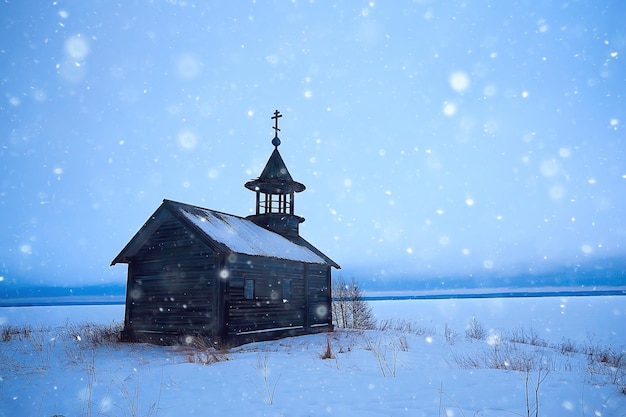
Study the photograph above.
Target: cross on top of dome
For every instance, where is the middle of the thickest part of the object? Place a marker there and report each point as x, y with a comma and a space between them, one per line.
276, 140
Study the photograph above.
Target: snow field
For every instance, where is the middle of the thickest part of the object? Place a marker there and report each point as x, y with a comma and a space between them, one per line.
417, 365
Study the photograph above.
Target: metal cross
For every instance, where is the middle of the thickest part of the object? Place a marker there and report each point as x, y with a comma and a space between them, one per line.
275, 118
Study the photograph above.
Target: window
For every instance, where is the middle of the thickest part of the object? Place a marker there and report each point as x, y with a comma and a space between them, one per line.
248, 289
286, 290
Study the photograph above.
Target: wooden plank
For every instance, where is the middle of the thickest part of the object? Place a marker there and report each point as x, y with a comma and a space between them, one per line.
268, 309
172, 283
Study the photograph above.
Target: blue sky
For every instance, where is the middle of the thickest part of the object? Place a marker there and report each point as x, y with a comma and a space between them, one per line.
434, 138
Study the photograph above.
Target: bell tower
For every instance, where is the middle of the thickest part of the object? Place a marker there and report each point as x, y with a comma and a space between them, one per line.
275, 191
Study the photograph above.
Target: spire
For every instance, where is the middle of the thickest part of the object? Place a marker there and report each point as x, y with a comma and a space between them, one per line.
275, 190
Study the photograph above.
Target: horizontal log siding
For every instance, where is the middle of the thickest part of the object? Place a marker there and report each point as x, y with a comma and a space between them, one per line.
264, 312
319, 295
172, 284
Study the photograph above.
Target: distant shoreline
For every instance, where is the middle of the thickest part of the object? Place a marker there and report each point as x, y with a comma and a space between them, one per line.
51, 302
496, 294
371, 296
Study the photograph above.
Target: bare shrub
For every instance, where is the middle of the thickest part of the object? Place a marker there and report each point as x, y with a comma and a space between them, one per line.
475, 330
450, 334
567, 346
527, 337
350, 310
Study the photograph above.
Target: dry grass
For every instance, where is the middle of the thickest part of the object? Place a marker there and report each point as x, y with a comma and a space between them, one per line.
202, 350
405, 326
328, 350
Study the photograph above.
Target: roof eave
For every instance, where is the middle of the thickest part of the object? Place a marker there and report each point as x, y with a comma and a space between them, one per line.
299, 240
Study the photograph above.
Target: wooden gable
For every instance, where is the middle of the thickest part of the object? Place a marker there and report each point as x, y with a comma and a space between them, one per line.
223, 233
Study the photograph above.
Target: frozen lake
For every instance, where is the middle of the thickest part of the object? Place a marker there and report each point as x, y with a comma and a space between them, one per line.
596, 319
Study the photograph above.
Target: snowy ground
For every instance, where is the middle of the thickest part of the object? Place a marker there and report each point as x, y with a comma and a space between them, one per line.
423, 364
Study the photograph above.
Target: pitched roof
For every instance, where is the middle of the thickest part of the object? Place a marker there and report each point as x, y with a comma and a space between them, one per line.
225, 233
275, 168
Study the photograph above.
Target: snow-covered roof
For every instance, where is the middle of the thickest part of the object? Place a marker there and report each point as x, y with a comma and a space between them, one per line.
225, 233
243, 236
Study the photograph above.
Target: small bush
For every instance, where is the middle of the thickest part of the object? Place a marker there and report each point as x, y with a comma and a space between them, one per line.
450, 334
475, 330
529, 337
350, 310
567, 346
